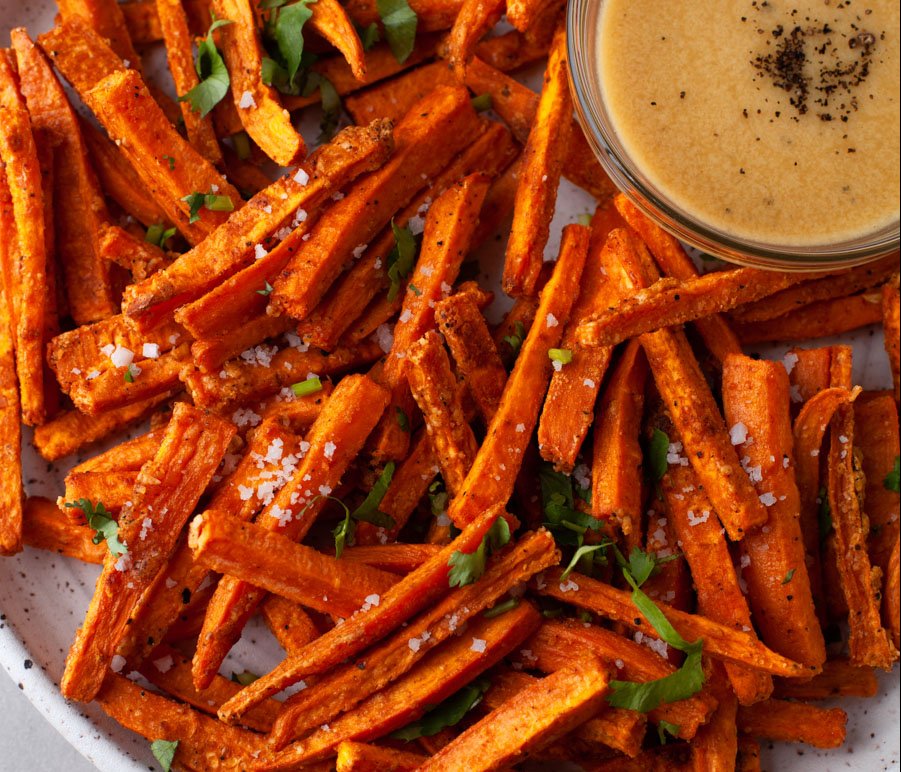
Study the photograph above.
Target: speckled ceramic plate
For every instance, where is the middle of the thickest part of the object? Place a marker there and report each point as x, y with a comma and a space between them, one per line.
43, 597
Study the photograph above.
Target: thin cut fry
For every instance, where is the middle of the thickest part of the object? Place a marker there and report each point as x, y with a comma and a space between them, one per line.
360, 757
892, 602
539, 176
45, 528
330, 20
290, 624
891, 324
839, 679
106, 17
475, 19
786, 721
431, 14
715, 746
395, 558
11, 493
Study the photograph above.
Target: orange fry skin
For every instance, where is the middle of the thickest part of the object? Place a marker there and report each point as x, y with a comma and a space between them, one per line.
715, 747
786, 721
142, 22
290, 624
891, 325
331, 21
839, 679
107, 19
11, 493
475, 19
360, 757
892, 604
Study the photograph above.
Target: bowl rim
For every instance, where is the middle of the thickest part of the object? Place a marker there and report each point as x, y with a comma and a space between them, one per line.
625, 175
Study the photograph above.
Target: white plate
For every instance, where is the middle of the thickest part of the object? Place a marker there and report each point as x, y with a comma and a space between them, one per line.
43, 597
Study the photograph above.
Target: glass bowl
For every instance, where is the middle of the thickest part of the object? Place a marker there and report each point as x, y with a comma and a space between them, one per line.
583, 45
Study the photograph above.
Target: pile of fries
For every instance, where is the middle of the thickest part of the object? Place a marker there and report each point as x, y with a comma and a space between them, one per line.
598, 532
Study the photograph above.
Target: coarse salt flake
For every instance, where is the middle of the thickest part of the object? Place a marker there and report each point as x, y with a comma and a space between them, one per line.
738, 433
150, 350
301, 177
247, 101
551, 320
478, 645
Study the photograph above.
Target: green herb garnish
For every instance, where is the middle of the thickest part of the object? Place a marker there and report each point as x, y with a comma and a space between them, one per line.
448, 713
164, 752
309, 386
399, 21
102, 523
213, 74
467, 567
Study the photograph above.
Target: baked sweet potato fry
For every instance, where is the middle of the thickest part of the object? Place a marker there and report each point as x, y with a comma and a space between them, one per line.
332, 23
786, 721
138, 256
45, 527
526, 15
475, 19
107, 19
892, 603
112, 489
437, 677
539, 175
142, 22
715, 747
395, 558
431, 14
891, 325
756, 403
11, 493
19, 154
360, 757
169, 487
290, 624
537, 715
839, 679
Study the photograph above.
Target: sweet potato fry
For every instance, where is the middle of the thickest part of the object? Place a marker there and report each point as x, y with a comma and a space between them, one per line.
252, 554
112, 489
891, 325
137, 256
107, 19
289, 623
756, 402
438, 395
475, 19
839, 679
426, 140
539, 176
715, 746
817, 320
673, 582
265, 119
669, 254
431, 14
79, 208
491, 478
346, 686
569, 405
334, 441
892, 604
425, 585
297, 413
673, 757
331, 22
836, 285
352, 152
360, 757
525, 15
786, 721
168, 489
394, 558
10, 429
81, 53
19, 154
142, 22
540, 713
617, 456
512, 50
438, 676
230, 342
204, 744
45, 527
720, 641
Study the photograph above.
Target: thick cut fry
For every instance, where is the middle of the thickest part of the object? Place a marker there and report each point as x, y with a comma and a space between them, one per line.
45, 527
79, 208
537, 715
719, 595
290, 624
112, 489
786, 721
171, 169
817, 320
756, 403
673, 260
617, 456
80, 53
173, 23
204, 744
839, 679
437, 677
127, 456
836, 285
349, 684
360, 757
437, 393
720, 641
892, 601
491, 478
330, 21
296, 414
335, 439
250, 553
426, 140
264, 118
891, 325
425, 585
715, 746
512, 50
231, 248
539, 176
475, 19
670, 302
10, 429
19, 154
168, 489
142, 22
230, 342
107, 19
394, 98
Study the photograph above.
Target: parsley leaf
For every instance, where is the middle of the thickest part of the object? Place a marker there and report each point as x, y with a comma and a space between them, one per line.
267, 289
892, 481
501, 608
790, 574
101, 521
158, 235
467, 567
402, 420
367, 512
213, 74
369, 36
658, 448
481, 103
330, 101
665, 728
400, 23
562, 519
164, 752
515, 340
401, 258
448, 713
583, 552
286, 25
437, 498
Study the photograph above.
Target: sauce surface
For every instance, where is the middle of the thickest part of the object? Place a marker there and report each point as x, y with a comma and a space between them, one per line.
774, 121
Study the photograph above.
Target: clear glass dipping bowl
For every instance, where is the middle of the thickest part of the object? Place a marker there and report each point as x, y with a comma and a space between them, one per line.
583, 43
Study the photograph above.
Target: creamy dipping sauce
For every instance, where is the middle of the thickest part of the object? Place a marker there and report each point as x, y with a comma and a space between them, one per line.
769, 120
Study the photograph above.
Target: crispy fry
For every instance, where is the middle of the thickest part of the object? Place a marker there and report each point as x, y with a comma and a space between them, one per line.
525, 15
81, 53
11, 493
112, 489
720, 641
289, 623
347, 685
201, 739
265, 119
673, 582
168, 489
891, 325
330, 20
839, 679
539, 176
107, 19
394, 558
195, 273
46, 528
756, 401
23, 177
491, 478
475, 19
142, 22
439, 675
298, 413
794, 722
835, 285
540, 713
817, 320
138, 256
512, 50
425, 141
892, 603
230, 342
674, 261
127, 456
360, 757
715, 746
335, 439
748, 759
569, 405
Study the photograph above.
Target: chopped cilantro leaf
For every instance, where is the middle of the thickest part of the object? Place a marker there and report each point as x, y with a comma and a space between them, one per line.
241, 144
164, 751
402, 421
367, 512
286, 29
212, 201
467, 567
213, 74
515, 340
658, 448
892, 481
501, 608
399, 21
583, 552
584, 219
309, 386
401, 258
437, 498
665, 728
158, 235
562, 355
448, 713
267, 290
330, 101
129, 376
369, 36
102, 523
562, 519
170, 160
789, 575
